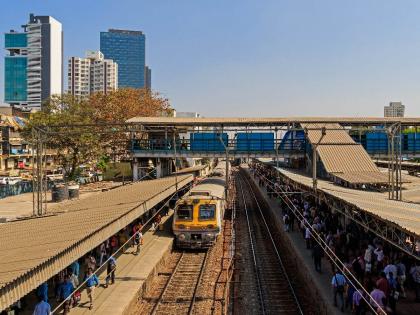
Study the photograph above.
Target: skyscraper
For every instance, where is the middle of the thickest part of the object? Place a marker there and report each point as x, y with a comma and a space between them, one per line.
34, 66
92, 74
127, 49
148, 77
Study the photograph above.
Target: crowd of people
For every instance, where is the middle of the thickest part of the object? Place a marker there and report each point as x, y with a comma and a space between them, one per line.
368, 273
66, 283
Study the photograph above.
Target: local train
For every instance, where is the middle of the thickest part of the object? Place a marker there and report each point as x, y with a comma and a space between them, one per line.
198, 216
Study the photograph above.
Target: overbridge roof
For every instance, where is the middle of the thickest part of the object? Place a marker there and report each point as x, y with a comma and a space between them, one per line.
341, 156
264, 121
34, 250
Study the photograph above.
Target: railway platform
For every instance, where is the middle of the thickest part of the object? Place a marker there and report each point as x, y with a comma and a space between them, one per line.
132, 276
320, 281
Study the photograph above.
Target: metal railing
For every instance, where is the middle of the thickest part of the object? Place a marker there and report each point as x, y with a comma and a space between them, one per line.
216, 145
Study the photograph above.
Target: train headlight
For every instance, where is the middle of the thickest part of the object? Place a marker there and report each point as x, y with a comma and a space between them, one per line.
209, 236
181, 237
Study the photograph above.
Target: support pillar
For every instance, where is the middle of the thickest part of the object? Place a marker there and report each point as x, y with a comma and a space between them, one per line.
135, 169
159, 172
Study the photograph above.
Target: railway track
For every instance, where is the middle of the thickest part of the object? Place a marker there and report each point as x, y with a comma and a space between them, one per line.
268, 290
179, 293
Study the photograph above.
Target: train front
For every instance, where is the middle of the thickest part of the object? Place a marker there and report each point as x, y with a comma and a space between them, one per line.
196, 222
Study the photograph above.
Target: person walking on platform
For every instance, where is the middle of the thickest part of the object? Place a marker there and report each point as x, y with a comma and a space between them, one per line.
338, 283
415, 274
42, 291
42, 308
75, 267
65, 291
91, 283
110, 271
138, 239
317, 253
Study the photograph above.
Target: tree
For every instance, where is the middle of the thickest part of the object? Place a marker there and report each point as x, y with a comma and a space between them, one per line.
74, 146
78, 145
126, 103
119, 106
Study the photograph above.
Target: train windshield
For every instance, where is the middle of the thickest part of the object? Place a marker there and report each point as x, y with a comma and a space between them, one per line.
207, 212
184, 212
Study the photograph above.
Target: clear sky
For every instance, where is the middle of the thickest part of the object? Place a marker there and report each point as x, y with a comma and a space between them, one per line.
256, 57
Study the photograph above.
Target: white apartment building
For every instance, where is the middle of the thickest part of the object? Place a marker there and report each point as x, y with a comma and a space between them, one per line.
92, 74
395, 109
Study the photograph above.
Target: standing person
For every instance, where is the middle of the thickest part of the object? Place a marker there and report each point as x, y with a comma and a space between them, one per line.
286, 220
383, 285
138, 239
415, 274
110, 271
76, 268
91, 283
394, 293
292, 221
65, 291
114, 244
377, 298
308, 236
338, 283
90, 262
42, 292
102, 253
317, 256
42, 308
401, 277
358, 302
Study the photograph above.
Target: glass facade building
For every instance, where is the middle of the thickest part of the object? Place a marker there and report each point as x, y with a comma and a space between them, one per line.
15, 79
15, 40
127, 49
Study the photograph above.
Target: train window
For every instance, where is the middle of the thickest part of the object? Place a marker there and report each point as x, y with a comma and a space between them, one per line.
184, 212
207, 212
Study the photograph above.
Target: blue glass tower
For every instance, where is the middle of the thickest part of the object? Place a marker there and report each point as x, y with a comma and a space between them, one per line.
15, 68
127, 49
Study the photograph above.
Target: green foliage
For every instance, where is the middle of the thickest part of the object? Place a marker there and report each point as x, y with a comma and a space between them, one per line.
73, 147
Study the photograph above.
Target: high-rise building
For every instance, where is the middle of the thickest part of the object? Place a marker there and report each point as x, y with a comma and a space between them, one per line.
127, 49
395, 109
34, 65
92, 74
148, 77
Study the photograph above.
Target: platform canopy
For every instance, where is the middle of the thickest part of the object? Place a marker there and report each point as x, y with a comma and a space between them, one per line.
34, 250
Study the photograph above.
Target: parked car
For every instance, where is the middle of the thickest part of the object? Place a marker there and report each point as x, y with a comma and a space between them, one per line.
11, 180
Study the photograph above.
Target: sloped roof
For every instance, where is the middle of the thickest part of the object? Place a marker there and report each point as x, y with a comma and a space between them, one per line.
342, 157
34, 250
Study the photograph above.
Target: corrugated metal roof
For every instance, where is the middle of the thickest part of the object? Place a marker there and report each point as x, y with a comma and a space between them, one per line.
335, 134
234, 121
341, 156
34, 250
346, 158
405, 215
